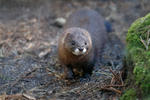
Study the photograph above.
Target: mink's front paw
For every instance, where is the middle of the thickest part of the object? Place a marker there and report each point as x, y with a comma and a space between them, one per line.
68, 74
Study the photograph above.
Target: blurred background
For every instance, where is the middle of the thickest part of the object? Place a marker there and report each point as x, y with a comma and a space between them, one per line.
35, 19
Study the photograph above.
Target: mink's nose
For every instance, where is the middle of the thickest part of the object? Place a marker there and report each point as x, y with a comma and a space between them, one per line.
80, 49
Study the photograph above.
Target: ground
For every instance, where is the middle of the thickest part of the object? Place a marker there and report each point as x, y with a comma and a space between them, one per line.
28, 47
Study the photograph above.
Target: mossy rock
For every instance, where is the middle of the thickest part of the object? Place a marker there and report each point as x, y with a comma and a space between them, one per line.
138, 51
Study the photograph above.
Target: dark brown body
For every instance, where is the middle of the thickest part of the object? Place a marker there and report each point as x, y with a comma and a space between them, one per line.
91, 21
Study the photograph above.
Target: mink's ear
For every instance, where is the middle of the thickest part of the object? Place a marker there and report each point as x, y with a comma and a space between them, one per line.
65, 37
69, 36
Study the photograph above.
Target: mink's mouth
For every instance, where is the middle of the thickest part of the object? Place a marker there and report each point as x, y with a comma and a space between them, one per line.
79, 51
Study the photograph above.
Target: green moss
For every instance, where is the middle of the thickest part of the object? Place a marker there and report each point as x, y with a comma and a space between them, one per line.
129, 95
147, 98
140, 55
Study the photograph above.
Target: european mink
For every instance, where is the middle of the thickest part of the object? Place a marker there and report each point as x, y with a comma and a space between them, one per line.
81, 42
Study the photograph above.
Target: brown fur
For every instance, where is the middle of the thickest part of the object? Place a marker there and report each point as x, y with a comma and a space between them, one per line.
95, 31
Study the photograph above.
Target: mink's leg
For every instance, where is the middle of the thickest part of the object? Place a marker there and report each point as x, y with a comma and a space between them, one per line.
68, 73
87, 71
88, 68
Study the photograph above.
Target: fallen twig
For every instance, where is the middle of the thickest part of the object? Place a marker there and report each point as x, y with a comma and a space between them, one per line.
114, 75
54, 73
114, 85
112, 89
116, 78
144, 43
147, 41
28, 97
17, 97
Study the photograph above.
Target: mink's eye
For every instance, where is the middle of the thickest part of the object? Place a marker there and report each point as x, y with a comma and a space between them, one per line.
73, 42
85, 43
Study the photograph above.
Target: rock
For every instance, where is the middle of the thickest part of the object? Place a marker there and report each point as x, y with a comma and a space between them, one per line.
137, 60
60, 21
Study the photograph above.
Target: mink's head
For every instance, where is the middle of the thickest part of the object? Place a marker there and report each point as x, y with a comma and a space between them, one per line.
77, 41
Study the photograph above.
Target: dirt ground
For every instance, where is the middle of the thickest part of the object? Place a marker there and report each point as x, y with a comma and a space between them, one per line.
28, 48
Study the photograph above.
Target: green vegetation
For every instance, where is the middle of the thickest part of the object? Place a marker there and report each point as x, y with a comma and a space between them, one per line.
129, 95
138, 51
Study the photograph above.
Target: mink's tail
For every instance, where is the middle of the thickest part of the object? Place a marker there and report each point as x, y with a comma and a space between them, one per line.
108, 26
